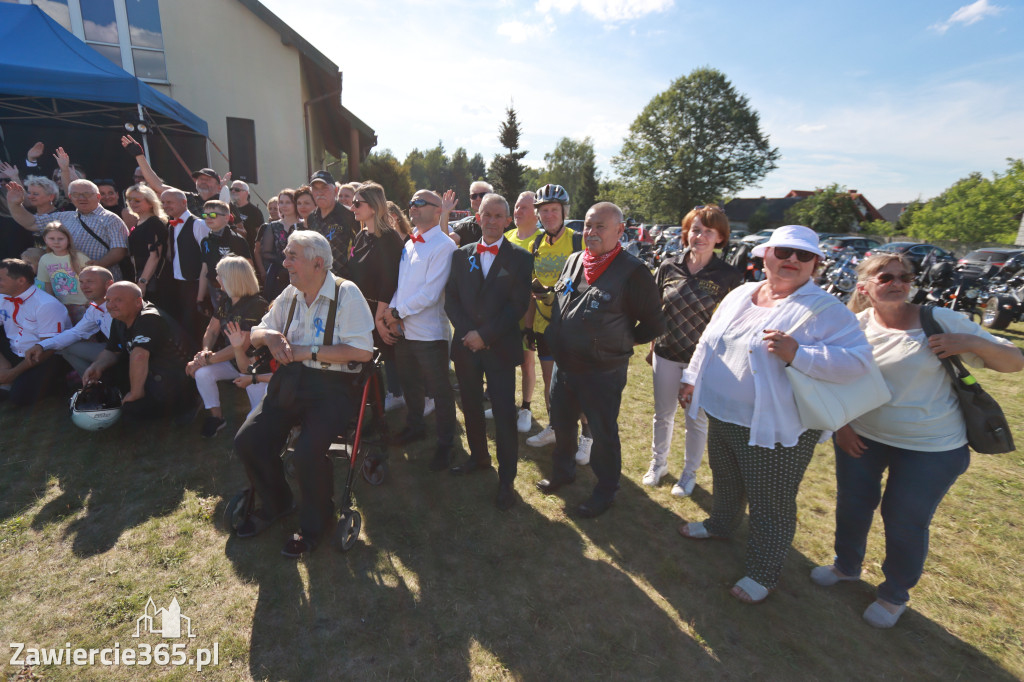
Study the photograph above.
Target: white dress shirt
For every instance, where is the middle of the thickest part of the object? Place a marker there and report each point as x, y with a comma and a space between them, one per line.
199, 230
487, 258
422, 275
39, 316
353, 323
96, 319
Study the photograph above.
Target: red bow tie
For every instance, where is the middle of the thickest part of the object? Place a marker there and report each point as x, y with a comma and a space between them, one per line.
175, 222
417, 238
17, 301
493, 249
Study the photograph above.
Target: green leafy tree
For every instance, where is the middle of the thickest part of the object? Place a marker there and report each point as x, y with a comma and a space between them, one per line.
506, 172
881, 228
974, 209
414, 163
692, 144
478, 167
827, 210
759, 220
903, 222
384, 168
572, 165
532, 179
461, 177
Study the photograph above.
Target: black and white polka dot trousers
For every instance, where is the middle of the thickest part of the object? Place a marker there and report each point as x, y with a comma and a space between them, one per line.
769, 480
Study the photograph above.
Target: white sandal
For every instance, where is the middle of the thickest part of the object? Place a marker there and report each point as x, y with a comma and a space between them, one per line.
754, 590
694, 530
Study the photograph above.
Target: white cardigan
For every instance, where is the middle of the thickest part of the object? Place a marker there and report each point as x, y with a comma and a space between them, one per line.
832, 347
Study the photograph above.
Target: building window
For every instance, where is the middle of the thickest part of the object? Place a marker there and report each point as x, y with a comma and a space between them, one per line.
127, 32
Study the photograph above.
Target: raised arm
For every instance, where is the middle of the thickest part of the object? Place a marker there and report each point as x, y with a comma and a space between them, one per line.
135, 149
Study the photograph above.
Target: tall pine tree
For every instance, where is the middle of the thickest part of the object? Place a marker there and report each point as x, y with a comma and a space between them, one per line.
506, 173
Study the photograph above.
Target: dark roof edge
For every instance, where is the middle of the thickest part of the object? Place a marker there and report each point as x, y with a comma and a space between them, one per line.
358, 123
290, 36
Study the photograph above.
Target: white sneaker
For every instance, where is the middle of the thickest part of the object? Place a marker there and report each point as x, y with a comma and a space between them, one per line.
489, 413
684, 487
393, 402
428, 406
654, 474
524, 421
545, 437
583, 453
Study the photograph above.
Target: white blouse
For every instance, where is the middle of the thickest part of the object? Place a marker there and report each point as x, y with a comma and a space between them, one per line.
924, 413
832, 347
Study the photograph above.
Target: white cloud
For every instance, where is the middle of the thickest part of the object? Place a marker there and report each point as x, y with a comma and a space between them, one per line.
967, 15
520, 32
808, 128
606, 10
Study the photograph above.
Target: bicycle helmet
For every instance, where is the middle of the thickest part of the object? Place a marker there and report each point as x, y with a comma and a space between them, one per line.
549, 194
96, 407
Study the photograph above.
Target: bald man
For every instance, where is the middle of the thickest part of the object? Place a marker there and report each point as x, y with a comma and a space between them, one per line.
467, 230
416, 324
184, 235
152, 346
606, 301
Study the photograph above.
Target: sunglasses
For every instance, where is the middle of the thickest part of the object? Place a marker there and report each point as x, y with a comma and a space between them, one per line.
206, 216
356, 203
237, 189
420, 203
887, 277
478, 195
784, 252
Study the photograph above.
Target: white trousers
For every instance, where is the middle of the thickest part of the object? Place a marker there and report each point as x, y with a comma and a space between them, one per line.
207, 378
667, 375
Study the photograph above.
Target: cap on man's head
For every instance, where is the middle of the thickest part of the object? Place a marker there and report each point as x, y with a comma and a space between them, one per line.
209, 172
322, 176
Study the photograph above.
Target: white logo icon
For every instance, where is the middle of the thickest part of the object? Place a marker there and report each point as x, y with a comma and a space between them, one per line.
171, 621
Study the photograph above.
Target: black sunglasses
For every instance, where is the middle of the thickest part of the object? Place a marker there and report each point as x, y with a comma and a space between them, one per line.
356, 203
237, 189
784, 252
886, 277
478, 195
212, 215
420, 203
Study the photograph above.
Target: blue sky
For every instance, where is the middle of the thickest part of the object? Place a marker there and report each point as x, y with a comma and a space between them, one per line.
897, 99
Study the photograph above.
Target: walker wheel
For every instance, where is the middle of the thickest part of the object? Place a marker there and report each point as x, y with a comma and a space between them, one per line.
347, 531
235, 510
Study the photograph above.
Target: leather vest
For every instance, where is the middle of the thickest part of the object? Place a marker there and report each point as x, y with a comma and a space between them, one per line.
187, 248
589, 326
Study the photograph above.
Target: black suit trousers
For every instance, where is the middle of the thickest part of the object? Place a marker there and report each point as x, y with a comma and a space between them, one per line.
470, 369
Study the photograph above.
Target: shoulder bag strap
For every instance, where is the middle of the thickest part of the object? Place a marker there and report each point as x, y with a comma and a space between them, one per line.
332, 312
291, 314
536, 242
812, 311
94, 235
953, 365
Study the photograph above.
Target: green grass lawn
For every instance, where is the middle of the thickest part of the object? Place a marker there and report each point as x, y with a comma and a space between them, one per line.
443, 586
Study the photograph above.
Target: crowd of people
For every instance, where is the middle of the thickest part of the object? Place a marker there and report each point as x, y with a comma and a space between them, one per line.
167, 293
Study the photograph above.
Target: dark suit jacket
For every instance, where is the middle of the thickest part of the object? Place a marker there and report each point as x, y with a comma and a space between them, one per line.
492, 307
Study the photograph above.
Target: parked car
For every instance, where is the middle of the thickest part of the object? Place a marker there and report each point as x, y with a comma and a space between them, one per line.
914, 252
736, 235
575, 225
836, 245
755, 239
980, 261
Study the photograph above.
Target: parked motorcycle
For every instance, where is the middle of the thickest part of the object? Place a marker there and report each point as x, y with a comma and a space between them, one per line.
840, 277
1004, 299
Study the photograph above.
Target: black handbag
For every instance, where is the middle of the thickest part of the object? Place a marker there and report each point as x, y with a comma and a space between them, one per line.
988, 432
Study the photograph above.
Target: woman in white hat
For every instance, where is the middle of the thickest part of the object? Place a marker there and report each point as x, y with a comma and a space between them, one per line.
757, 448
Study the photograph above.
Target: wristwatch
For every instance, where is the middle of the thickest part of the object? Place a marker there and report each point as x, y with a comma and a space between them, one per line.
313, 350
394, 314
142, 280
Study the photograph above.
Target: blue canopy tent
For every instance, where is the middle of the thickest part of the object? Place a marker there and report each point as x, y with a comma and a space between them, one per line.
53, 85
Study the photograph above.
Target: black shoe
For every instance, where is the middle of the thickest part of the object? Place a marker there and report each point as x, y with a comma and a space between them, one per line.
594, 507
189, 415
442, 458
297, 546
212, 426
254, 524
409, 435
471, 466
549, 486
506, 497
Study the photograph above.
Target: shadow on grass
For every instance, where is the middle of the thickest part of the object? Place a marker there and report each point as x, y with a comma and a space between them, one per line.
443, 585
111, 480
797, 630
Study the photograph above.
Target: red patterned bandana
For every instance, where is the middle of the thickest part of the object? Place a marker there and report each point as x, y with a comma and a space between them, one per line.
594, 266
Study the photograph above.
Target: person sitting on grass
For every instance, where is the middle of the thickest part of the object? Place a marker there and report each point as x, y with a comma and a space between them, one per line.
152, 345
217, 361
